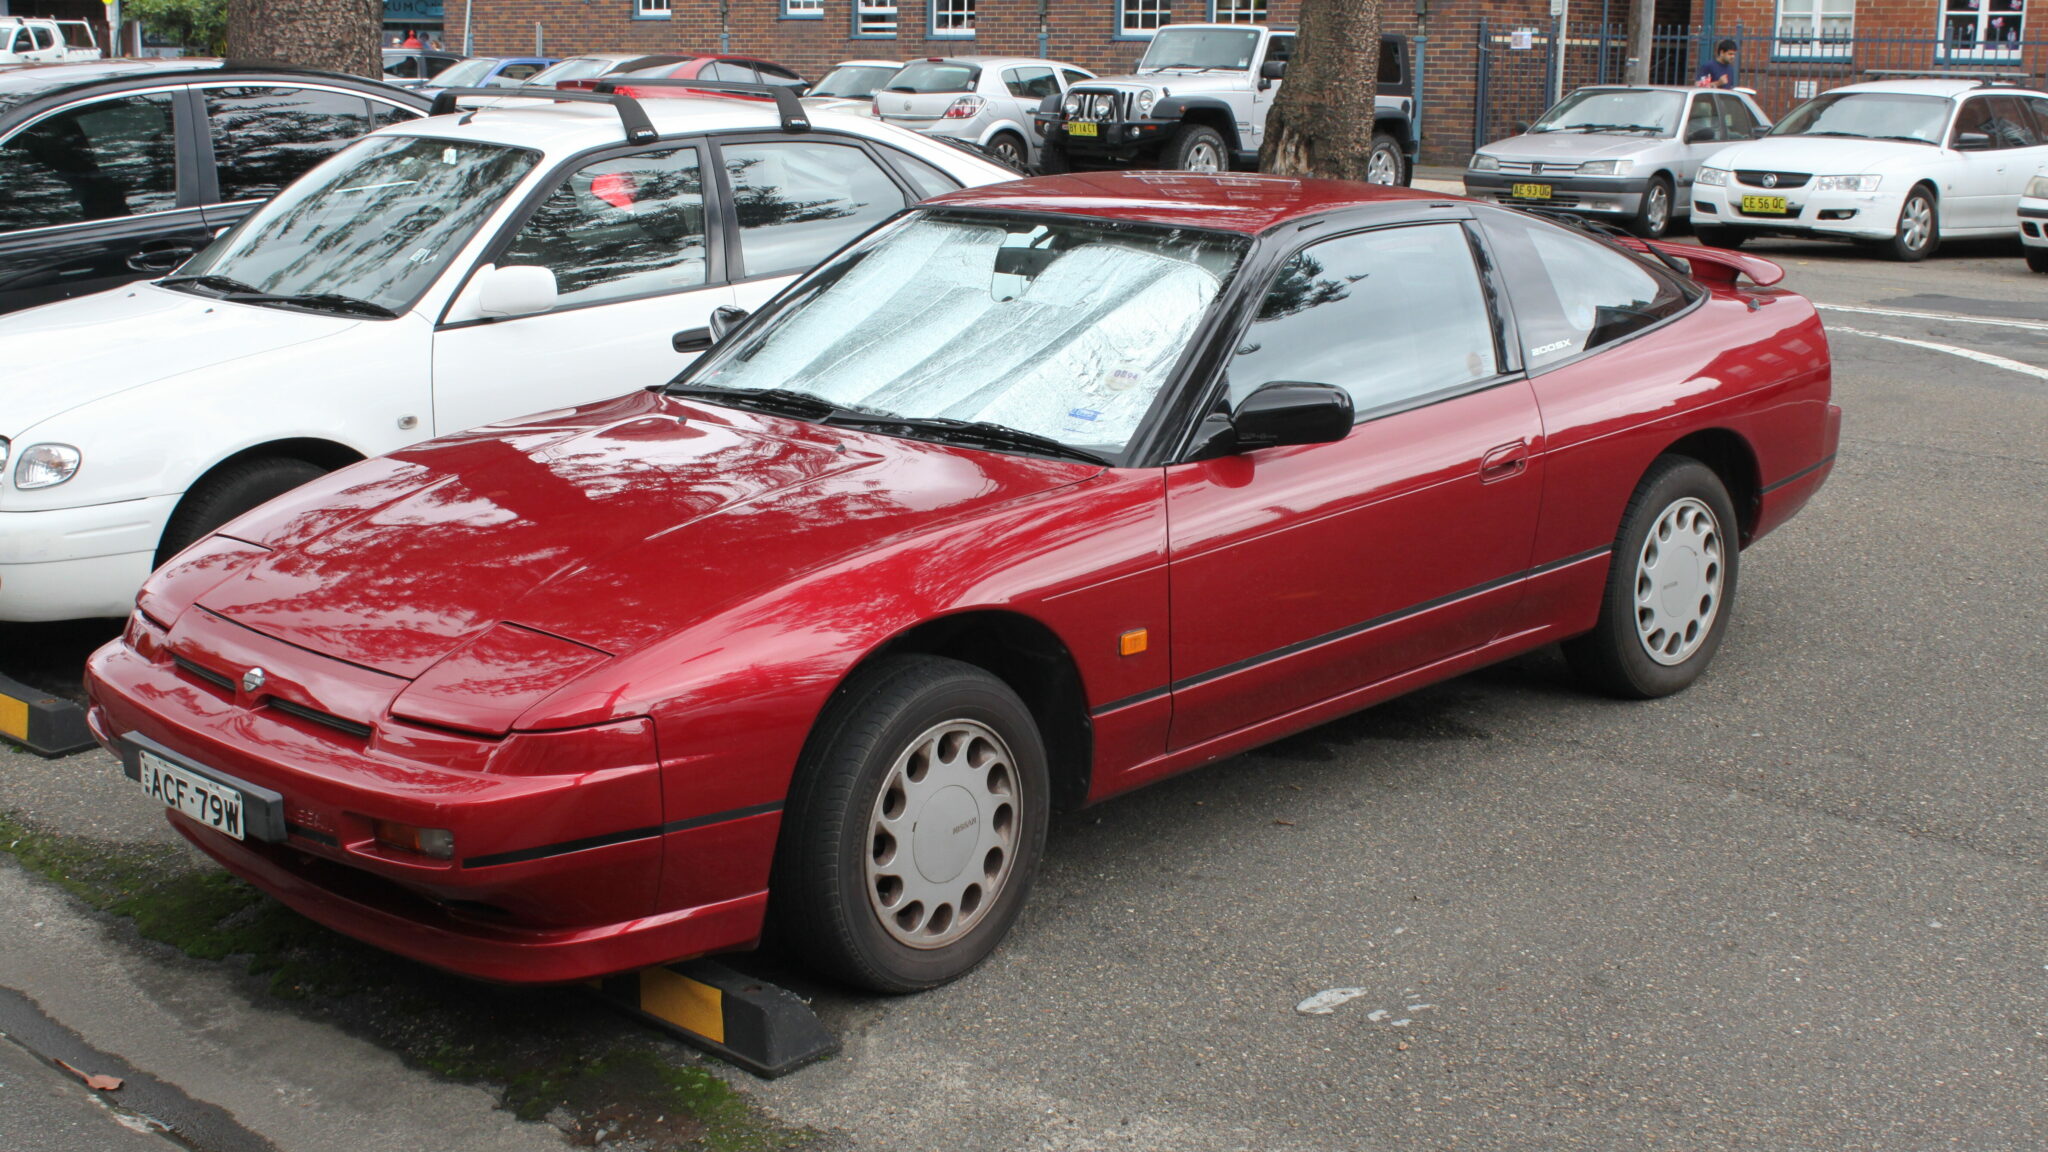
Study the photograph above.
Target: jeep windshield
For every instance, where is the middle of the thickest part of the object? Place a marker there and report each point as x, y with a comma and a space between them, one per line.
964, 328
1634, 110
1873, 115
368, 229
1200, 48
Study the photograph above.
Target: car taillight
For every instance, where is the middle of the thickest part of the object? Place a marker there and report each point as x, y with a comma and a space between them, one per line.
965, 108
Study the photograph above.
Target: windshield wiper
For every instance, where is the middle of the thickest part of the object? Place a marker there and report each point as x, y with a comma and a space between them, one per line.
1589, 128
221, 284
778, 401
980, 433
317, 301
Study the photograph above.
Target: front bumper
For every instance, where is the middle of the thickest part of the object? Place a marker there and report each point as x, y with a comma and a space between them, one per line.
563, 872
2034, 223
1114, 142
1849, 215
74, 563
1585, 195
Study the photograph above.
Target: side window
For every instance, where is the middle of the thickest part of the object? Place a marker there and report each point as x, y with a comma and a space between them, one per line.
2038, 105
798, 201
382, 114
436, 65
2011, 127
1737, 121
403, 67
1033, 82
1391, 316
771, 74
265, 138
1073, 76
1573, 293
46, 38
1279, 49
1702, 115
111, 158
728, 70
1390, 63
627, 226
1975, 119
924, 177
514, 72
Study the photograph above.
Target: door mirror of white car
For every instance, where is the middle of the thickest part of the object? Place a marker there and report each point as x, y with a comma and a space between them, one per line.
1273, 70
1973, 141
516, 290
1700, 136
724, 319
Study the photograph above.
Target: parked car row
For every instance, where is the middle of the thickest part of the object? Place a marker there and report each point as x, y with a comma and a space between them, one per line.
1899, 164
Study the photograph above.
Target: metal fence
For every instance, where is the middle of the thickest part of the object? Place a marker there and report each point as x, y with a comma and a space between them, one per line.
1523, 68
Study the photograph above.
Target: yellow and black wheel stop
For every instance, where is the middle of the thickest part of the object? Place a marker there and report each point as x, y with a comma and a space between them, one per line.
42, 723
765, 1029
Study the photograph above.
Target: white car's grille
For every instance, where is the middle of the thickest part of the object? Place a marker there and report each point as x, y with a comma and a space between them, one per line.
1539, 167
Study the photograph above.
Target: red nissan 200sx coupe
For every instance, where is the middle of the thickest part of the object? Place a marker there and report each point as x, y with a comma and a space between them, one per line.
1037, 494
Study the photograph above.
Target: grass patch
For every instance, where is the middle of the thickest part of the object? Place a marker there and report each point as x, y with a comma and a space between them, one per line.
550, 1053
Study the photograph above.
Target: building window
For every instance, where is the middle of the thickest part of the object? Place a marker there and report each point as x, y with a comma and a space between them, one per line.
1143, 17
952, 19
1237, 11
1981, 29
874, 18
803, 9
651, 9
1814, 29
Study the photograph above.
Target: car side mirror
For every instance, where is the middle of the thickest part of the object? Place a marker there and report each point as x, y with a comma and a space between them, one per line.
1700, 136
1273, 70
1760, 131
1973, 141
724, 319
1287, 412
516, 290
1519, 127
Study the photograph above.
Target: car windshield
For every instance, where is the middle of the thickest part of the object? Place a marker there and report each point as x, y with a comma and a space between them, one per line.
854, 81
934, 76
575, 68
1638, 110
1200, 48
1874, 115
467, 74
1059, 329
374, 224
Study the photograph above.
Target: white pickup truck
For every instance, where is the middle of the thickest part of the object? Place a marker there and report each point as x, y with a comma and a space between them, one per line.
25, 40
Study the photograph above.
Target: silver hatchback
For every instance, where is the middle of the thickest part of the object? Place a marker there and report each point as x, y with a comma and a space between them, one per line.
1626, 154
983, 100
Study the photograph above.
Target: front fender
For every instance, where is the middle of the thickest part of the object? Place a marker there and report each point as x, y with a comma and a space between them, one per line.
1178, 107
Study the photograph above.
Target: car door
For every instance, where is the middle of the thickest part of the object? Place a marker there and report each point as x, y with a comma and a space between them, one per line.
796, 201
94, 195
627, 235
2027, 129
1980, 143
264, 136
1024, 87
1303, 573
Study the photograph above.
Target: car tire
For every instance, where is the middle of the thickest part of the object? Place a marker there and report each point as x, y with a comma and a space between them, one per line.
1052, 159
227, 492
1919, 230
913, 828
1653, 216
2037, 259
1386, 165
1198, 148
1670, 586
1010, 148
1715, 236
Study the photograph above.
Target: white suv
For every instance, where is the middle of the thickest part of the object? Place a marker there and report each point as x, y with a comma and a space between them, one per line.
432, 276
1904, 162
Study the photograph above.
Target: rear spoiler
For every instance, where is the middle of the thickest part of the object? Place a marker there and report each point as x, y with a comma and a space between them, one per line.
1711, 265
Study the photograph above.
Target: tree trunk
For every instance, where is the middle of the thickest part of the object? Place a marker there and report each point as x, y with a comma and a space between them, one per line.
1321, 123
337, 35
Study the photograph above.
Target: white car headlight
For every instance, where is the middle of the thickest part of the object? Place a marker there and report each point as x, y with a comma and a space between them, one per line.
44, 465
1481, 162
1145, 98
2037, 189
1606, 167
1715, 176
3, 456
1846, 183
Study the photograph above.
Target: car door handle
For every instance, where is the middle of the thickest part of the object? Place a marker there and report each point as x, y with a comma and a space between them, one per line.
1504, 461
160, 259
692, 340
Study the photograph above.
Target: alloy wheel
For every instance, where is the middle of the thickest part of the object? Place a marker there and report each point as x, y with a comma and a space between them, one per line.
1204, 157
1916, 222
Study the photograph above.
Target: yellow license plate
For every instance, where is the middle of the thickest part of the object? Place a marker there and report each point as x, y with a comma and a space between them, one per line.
1530, 191
1764, 205
1080, 128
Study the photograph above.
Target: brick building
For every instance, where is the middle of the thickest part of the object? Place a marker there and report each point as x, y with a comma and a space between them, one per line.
1484, 63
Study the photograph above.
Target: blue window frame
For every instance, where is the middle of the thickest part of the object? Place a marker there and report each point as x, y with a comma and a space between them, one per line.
949, 19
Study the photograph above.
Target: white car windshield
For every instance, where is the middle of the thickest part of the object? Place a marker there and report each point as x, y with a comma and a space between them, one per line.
467, 74
1200, 49
1873, 115
1064, 330
1646, 111
854, 81
372, 226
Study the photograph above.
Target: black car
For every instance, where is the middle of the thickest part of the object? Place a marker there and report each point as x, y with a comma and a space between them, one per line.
115, 170
412, 67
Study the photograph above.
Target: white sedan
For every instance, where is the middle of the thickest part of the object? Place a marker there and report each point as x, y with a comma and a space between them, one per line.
2033, 211
1904, 163
432, 276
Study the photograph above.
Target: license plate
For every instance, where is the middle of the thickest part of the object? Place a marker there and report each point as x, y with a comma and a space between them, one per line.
210, 802
1764, 205
1080, 128
1530, 191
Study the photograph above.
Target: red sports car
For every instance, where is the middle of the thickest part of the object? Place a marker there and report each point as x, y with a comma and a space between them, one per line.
1037, 494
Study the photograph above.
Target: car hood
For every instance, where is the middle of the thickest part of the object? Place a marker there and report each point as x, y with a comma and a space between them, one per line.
1177, 83
75, 352
1826, 155
611, 526
1573, 146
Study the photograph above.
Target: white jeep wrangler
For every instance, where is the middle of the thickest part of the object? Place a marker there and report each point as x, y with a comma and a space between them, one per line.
26, 40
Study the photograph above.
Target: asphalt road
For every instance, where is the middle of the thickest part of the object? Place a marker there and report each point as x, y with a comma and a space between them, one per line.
1802, 906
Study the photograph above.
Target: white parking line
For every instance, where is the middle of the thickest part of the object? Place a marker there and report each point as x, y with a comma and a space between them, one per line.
1945, 317
1965, 353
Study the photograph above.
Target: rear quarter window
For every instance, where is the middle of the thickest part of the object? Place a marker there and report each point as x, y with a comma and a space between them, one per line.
1573, 293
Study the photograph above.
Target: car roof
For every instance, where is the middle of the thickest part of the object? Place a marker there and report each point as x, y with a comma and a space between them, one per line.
561, 126
869, 64
985, 61
36, 81
1245, 203
1931, 86
1644, 88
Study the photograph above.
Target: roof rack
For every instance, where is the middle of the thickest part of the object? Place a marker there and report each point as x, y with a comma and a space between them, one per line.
794, 118
639, 129
1985, 77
